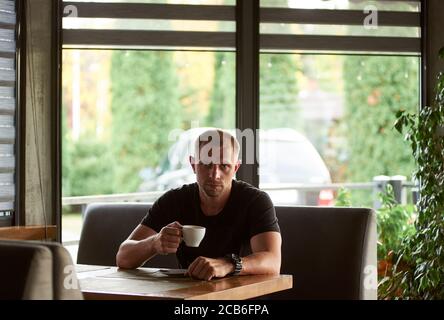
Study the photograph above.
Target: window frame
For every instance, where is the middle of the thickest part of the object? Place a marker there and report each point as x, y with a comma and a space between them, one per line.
19, 218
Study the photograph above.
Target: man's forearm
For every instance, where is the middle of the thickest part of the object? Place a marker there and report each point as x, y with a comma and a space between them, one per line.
263, 262
132, 254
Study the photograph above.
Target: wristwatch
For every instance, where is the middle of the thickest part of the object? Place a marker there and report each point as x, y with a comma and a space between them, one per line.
237, 262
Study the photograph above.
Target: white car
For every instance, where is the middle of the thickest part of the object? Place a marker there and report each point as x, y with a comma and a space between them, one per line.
286, 158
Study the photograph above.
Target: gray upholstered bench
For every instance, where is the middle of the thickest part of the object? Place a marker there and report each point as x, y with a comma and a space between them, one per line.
331, 252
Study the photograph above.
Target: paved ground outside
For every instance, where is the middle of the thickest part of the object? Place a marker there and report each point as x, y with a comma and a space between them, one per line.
71, 228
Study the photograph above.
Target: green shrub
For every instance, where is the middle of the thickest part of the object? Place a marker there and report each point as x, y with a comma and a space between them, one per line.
343, 198
91, 168
394, 223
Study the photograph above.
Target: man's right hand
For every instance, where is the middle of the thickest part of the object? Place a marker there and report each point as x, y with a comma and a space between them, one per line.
168, 239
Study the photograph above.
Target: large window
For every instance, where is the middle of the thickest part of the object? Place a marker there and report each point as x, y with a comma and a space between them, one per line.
139, 76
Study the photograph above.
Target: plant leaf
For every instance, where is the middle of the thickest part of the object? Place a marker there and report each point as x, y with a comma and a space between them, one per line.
441, 53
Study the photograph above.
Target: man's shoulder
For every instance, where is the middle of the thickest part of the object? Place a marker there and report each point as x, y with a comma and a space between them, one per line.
251, 199
185, 191
247, 190
186, 188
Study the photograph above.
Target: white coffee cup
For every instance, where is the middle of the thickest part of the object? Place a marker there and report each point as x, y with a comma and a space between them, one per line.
193, 235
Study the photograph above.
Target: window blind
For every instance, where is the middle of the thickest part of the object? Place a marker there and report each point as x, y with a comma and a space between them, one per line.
7, 109
149, 25
378, 26
329, 25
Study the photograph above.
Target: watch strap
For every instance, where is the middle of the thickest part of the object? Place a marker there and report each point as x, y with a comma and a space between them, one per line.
237, 263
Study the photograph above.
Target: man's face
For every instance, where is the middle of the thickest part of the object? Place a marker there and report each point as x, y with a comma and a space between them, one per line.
215, 170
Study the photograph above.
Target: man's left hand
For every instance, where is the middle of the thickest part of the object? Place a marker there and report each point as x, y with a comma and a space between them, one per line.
207, 268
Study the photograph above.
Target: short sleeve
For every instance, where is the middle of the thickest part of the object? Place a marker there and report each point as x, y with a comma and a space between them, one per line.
161, 213
262, 215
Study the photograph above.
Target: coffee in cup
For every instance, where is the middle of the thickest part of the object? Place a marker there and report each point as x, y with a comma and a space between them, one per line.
193, 235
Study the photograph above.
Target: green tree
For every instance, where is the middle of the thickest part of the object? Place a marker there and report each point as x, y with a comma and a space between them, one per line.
90, 167
145, 108
66, 156
279, 92
375, 88
223, 98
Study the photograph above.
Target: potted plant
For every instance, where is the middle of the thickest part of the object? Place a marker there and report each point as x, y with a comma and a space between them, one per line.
418, 272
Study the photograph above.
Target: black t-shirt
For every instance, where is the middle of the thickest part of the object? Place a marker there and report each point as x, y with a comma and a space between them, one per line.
248, 212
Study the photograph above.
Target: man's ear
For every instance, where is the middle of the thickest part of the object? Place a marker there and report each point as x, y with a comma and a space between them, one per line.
193, 163
237, 166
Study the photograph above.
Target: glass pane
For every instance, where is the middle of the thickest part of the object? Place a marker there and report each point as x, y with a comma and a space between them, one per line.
140, 24
329, 119
336, 30
123, 114
410, 6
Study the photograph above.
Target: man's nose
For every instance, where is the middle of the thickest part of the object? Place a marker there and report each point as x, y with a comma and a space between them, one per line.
215, 171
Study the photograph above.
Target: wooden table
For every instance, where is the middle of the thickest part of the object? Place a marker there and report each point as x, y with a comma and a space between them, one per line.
100, 282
